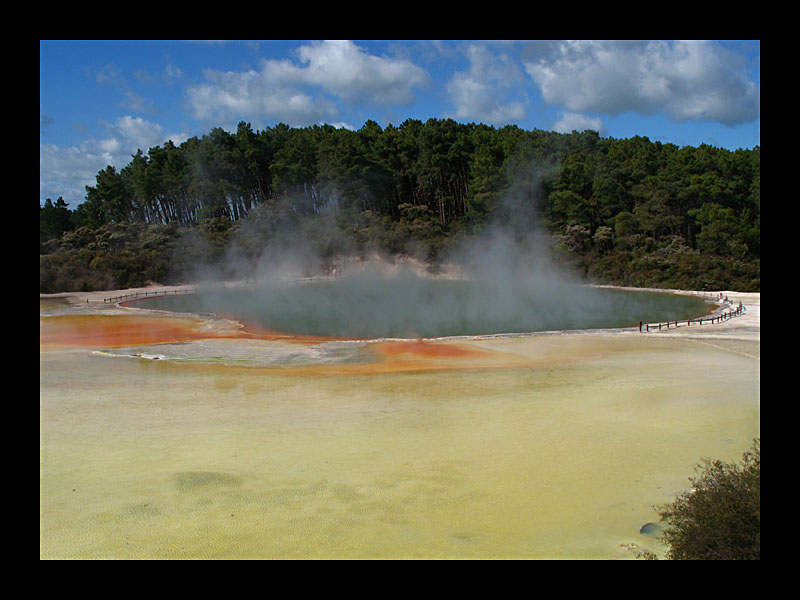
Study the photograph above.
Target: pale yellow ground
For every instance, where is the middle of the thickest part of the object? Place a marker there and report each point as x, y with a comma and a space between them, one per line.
548, 446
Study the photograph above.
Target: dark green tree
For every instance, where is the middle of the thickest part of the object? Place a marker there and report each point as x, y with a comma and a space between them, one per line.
54, 220
634, 212
113, 196
721, 231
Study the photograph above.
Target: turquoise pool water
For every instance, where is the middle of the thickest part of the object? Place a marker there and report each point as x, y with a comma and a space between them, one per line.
412, 307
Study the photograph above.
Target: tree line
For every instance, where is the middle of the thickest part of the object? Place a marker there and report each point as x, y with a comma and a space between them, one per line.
626, 211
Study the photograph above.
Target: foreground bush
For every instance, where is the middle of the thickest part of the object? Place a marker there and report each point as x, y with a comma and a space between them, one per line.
720, 517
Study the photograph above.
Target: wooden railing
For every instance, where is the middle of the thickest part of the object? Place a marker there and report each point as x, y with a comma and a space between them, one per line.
708, 320
149, 294
194, 290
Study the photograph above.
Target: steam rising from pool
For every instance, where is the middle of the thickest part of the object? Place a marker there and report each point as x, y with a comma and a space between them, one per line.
375, 303
503, 280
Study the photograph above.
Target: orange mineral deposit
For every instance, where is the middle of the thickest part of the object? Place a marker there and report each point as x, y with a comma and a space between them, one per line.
117, 331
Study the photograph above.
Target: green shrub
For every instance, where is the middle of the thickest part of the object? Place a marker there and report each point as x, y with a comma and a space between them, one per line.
720, 517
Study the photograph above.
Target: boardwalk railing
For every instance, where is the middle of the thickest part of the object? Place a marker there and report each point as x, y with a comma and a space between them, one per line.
708, 320
194, 290
148, 294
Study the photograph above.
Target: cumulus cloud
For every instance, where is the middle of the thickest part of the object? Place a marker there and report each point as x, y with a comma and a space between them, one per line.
683, 80
65, 171
296, 94
344, 69
479, 92
136, 133
570, 122
249, 95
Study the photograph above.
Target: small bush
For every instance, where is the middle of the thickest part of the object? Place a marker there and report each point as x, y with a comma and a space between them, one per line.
720, 517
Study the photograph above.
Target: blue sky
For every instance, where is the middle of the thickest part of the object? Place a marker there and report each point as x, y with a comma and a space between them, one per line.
99, 101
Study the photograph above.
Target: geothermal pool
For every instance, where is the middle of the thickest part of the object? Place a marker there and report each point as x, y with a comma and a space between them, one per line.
414, 307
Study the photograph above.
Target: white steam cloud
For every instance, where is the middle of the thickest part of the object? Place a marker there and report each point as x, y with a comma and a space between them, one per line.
501, 281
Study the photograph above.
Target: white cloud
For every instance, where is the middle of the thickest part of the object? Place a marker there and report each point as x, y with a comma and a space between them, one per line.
570, 122
231, 96
683, 80
280, 89
108, 147
342, 125
138, 133
344, 69
479, 92
66, 171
